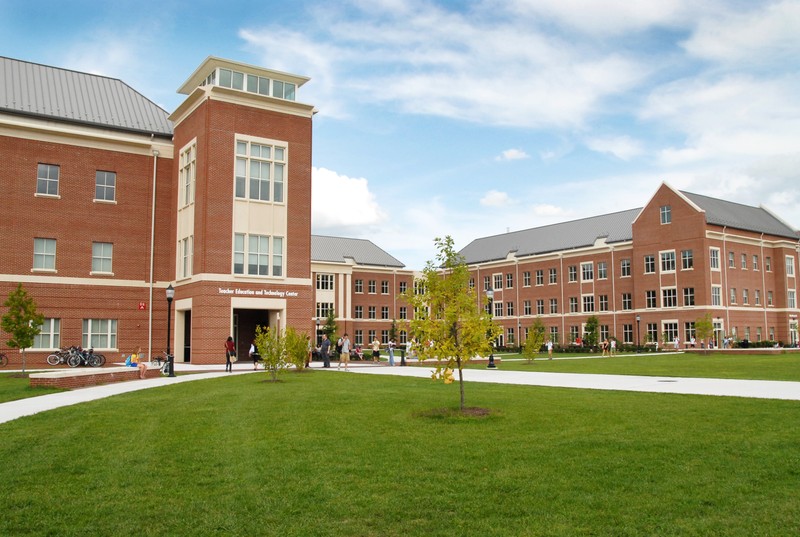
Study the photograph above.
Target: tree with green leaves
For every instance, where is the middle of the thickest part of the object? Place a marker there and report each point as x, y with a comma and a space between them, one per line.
704, 329
271, 346
449, 323
590, 332
21, 321
296, 347
535, 340
330, 327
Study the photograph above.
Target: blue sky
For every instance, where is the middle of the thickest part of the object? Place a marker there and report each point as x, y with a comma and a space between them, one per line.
474, 118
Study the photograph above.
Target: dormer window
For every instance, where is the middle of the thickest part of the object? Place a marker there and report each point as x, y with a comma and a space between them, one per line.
228, 78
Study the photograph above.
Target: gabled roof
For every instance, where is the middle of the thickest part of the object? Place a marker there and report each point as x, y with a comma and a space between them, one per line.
361, 251
614, 227
735, 215
36, 90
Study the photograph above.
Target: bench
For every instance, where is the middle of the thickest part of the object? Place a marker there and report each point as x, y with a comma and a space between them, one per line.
69, 379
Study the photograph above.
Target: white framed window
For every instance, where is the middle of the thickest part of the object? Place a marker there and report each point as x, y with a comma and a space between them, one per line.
602, 270
744, 262
509, 280
372, 312
539, 277
731, 260
669, 297
627, 301
757, 296
325, 282
102, 257
553, 305
588, 303
324, 309
105, 186
769, 298
358, 312
687, 260
44, 254
498, 309
186, 253
755, 262
650, 299
260, 170
384, 287
587, 272
49, 336
47, 179
666, 214
358, 286
625, 268
732, 295
603, 302
187, 173
384, 312
768, 264
573, 304
688, 296
649, 264
498, 281
745, 296
791, 301
668, 261
371, 287
553, 276
627, 333
713, 258
261, 259
572, 272
790, 265
99, 333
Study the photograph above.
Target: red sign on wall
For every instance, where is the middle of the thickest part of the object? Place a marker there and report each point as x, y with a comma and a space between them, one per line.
142, 305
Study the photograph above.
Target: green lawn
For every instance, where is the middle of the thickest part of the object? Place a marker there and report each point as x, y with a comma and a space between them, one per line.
748, 366
13, 386
332, 454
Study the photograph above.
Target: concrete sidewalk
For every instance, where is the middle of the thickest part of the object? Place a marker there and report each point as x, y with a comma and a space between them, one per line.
760, 389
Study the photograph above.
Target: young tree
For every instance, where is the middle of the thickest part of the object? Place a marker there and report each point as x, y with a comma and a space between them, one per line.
448, 321
296, 348
590, 334
271, 346
21, 321
535, 340
704, 329
330, 327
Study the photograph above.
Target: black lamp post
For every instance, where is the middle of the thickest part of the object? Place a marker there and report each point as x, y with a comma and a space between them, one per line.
170, 358
638, 339
490, 296
318, 341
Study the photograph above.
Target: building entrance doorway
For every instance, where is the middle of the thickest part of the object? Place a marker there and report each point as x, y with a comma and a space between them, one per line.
244, 327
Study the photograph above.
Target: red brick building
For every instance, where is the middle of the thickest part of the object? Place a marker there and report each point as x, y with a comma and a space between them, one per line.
647, 274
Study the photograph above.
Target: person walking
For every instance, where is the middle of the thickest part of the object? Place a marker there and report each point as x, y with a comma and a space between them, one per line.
549, 349
325, 351
230, 352
345, 353
376, 350
254, 355
390, 348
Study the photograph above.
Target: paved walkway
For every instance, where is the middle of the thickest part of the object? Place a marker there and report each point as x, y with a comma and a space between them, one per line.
761, 389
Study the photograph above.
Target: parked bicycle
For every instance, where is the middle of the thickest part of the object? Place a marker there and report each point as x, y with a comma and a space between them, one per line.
60, 357
161, 362
78, 356
3, 360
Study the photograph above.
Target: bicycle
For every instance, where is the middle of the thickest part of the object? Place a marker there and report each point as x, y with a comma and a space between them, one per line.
3, 360
161, 363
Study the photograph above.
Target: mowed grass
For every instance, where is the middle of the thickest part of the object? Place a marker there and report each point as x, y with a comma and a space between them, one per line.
333, 454
746, 366
14, 386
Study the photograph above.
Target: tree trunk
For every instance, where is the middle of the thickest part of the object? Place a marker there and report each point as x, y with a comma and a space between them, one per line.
460, 381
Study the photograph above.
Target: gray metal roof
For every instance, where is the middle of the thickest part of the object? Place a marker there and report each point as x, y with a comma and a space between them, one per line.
362, 251
735, 215
614, 227
38, 90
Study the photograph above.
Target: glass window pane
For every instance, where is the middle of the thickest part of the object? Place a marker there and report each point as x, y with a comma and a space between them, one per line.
263, 85
252, 83
277, 88
225, 78
238, 80
288, 92
278, 183
241, 148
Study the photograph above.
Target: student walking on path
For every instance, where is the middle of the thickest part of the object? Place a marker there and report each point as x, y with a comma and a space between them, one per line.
345, 354
230, 352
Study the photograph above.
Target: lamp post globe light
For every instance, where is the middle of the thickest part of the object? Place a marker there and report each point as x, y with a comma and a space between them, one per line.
170, 359
638, 339
490, 296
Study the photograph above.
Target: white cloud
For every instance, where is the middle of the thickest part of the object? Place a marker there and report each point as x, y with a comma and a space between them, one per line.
622, 147
512, 154
549, 211
494, 198
339, 202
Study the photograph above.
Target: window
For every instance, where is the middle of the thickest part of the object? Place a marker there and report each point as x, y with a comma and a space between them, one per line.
257, 254
650, 299
47, 179
603, 299
498, 309
509, 309
666, 214
768, 264
510, 335
324, 309
44, 254
252, 83
671, 330
325, 282
745, 296
371, 335
526, 307
371, 312
539, 306
769, 298
652, 332
487, 283
573, 304
602, 270
553, 305
733, 295
792, 299
572, 271
625, 268
359, 337
627, 333
102, 252
688, 296
789, 265
526, 279
713, 258
731, 260
587, 272
260, 170
384, 287
689, 332
669, 298
687, 260
403, 312
627, 301
105, 185
668, 261
755, 262
186, 246
359, 286
99, 333
384, 312
187, 173
553, 276
649, 264
757, 297
554, 334
744, 261
498, 281
574, 333
509, 281
49, 336
371, 287
603, 331
403, 287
